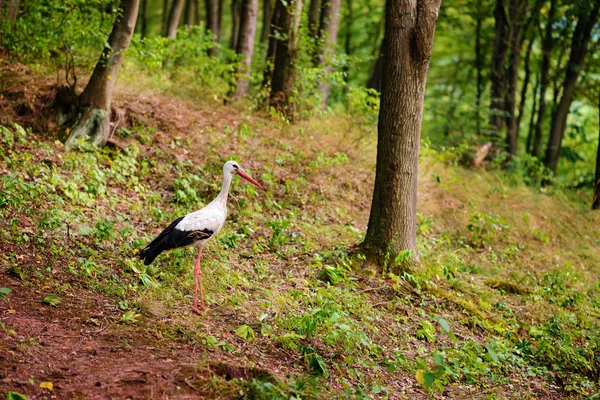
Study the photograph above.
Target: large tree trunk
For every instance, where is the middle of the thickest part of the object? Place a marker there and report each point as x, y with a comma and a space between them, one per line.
267, 13
327, 38
213, 23
479, 61
497, 70
174, 18
236, 10
547, 44
284, 69
409, 31
596, 199
581, 37
94, 125
245, 45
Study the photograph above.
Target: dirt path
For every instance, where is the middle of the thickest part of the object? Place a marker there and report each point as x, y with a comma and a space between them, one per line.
85, 353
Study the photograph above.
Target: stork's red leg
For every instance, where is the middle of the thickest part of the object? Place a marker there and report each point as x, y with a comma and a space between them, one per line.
198, 277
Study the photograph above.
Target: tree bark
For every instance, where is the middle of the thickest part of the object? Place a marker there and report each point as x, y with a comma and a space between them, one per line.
94, 125
327, 37
174, 18
497, 70
581, 37
272, 48
165, 17
144, 18
479, 60
526, 79
547, 45
236, 10
518, 10
245, 45
531, 130
348, 42
213, 23
409, 31
284, 69
267, 13
13, 10
374, 81
189, 13
314, 12
596, 198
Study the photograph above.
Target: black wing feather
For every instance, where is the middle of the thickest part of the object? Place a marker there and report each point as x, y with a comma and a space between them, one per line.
172, 238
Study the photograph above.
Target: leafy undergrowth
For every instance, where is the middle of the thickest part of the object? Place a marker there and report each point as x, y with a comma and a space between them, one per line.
504, 305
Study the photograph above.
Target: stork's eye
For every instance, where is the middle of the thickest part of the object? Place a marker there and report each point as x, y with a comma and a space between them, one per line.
235, 166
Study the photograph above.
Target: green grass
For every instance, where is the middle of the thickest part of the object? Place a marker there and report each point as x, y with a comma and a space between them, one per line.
505, 303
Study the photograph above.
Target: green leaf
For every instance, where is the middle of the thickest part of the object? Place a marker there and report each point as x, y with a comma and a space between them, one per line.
438, 359
15, 396
429, 378
492, 352
444, 325
51, 300
4, 292
245, 332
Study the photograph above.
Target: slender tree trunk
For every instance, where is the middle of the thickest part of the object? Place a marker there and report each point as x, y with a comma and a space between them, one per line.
410, 27
272, 49
94, 125
284, 70
189, 12
497, 68
327, 38
212, 23
581, 37
348, 42
518, 11
374, 81
13, 10
144, 18
165, 17
547, 45
174, 18
245, 45
524, 87
313, 18
236, 10
531, 130
267, 13
596, 199
479, 60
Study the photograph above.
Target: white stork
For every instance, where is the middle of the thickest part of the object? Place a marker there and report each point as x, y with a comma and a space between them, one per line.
195, 229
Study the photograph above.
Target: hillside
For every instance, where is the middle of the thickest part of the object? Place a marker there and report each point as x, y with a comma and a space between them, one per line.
504, 305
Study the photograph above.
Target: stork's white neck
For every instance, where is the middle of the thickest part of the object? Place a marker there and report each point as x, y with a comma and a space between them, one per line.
222, 197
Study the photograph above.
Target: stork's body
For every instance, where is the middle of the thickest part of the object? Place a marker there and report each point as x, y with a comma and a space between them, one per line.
196, 229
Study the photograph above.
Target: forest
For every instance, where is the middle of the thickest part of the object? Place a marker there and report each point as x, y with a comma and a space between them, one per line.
300, 199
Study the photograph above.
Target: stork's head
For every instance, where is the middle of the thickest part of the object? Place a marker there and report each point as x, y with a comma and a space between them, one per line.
232, 167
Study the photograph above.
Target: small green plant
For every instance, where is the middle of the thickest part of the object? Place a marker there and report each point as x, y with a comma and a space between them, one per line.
51, 300
4, 292
130, 317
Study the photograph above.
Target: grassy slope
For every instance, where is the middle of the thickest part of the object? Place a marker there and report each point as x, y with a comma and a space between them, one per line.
512, 272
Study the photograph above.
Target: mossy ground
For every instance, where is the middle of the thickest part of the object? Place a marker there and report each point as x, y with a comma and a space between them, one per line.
504, 305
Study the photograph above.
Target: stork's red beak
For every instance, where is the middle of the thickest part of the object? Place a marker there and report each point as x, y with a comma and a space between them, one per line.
247, 177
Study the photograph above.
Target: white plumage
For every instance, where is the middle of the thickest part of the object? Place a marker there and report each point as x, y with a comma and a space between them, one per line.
197, 228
